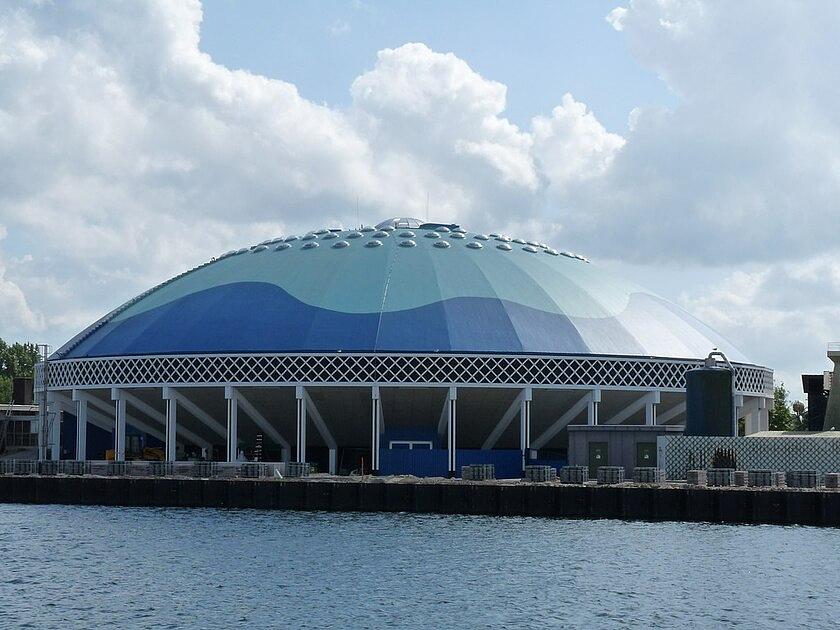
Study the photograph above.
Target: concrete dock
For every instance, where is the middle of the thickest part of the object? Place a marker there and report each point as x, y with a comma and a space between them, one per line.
670, 502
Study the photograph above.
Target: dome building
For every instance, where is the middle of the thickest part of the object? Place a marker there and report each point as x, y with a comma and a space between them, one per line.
379, 347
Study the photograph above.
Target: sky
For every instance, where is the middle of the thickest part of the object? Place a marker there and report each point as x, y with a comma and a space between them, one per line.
692, 146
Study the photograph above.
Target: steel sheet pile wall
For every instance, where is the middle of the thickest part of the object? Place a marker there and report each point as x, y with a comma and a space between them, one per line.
679, 454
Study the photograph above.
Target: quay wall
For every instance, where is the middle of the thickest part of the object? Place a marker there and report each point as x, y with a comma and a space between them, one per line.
631, 502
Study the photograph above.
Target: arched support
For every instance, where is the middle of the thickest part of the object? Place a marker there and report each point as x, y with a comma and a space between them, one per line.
262, 422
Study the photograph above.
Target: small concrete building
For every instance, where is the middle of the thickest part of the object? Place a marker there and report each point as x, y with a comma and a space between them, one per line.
630, 446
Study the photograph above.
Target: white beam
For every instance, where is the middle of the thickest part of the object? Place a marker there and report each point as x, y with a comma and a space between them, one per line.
633, 407
503, 423
300, 401
262, 422
159, 416
671, 414
375, 428
567, 418
202, 416
319, 423
451, 442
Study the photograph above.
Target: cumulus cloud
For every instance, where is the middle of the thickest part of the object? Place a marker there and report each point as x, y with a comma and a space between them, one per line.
746, 167
785, 312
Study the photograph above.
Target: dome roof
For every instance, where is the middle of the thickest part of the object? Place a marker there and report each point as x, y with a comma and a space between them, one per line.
404, 286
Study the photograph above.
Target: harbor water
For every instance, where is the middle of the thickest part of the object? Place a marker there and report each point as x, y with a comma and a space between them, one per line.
68, 566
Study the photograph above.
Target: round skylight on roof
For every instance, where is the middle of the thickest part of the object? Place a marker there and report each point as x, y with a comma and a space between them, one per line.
408, 243
310, 245
373, 243
354, 235
289, 239
482, 237
504, 247
457, 235
432, 235
340, 244
329, 235
309, 237
259, 248
380, 234
282, 246
474, 245
441, 244
407, 234
442, 228
530, 248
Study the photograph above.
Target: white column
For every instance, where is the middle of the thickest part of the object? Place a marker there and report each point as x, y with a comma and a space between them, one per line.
119, 432
232, 423
525, 425
171, 420
592, 408
650, 408
375, 430
452, 398
81, 428
301, 424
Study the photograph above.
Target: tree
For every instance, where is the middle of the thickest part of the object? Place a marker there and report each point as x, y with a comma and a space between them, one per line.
16, 360
781, 416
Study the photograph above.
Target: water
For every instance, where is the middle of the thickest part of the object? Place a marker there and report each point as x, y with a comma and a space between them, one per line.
63, 566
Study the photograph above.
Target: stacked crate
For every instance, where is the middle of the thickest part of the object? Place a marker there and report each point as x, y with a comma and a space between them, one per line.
648, 474
719, 476
574, 474
832, 480
161, 469
252, 470
610, 474
478, 472
205, 470
117, 469
540, 473
696, 477
75, 467
298, 469
760, 478
802, 479
24, 467
48, 467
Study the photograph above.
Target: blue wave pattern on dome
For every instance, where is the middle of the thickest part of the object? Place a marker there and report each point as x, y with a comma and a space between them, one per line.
280, 297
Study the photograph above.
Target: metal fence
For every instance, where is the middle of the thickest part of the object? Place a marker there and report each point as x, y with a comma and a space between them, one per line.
679, 454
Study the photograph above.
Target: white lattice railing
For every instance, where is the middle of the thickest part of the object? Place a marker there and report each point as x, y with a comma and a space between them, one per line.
402, 369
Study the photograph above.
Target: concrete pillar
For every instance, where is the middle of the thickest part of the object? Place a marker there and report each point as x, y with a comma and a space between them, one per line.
375, 430
300, 456
452, 398
232, 439
171, 449
81, 428
525, 424
119, 432
592, 408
